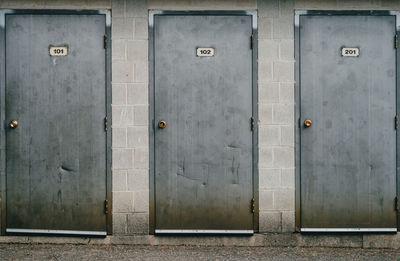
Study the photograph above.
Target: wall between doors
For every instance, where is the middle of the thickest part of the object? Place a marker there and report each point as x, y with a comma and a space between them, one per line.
130, 102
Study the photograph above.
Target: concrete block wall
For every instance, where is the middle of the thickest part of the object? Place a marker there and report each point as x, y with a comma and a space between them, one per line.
130, 148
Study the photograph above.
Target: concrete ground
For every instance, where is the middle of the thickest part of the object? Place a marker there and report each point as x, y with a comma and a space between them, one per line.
127, 252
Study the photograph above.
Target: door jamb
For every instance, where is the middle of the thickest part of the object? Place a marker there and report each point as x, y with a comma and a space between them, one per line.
297, 122
3, 13
152, 14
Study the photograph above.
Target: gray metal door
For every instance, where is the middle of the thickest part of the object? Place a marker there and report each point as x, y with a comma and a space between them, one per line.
348, 154
203, 157
56, 156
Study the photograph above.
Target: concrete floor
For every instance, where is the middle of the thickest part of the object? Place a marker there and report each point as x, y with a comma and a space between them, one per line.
126, 252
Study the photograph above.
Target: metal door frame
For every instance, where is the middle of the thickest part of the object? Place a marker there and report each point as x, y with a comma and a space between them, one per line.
152, 206
298, 124
108, 196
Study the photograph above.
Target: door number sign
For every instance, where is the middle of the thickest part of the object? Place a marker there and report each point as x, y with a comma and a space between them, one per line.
205, 52
58, 50
350, 52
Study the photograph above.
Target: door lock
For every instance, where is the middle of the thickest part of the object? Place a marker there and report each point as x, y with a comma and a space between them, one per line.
307, 123
13, 124
162, 124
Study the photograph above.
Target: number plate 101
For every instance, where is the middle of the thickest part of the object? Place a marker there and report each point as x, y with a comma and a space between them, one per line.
58, 51
205, 52
350, 51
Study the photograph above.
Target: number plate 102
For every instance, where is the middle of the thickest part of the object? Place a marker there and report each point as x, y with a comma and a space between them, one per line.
205, 52
350, 51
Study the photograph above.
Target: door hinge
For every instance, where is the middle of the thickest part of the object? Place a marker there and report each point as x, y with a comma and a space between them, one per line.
396, 41
396, 204
253, 205
396, 122
252, 123
106, 206
252, 41
105, 41
105, 124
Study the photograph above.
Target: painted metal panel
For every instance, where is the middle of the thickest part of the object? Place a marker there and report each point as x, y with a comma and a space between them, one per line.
204, 156
56, 157
348, 154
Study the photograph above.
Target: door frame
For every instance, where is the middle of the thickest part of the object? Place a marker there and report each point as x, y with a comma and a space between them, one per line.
3, 176
297, 122
152, 14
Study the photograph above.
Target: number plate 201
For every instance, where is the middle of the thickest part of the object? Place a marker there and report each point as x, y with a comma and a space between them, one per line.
350, 51
205, 52
58, 51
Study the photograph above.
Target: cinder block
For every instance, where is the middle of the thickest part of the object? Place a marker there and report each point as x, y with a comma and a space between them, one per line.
141, 201
247, 4
122, 72
98, 4
269, 178
315, 4
136, 8
270, 222
283, 157
119, 94
138, 223
266, 198
137, 51
123, 202
138, 94
119, 221
286, 50
394, 4
284, 199
269, 135
268, 8
122, 158
118, 50
173, 4
268, 92
288, 221
231, 4
264, 28
122, 116
118, 8
119, 180
138, 137
122, 28
141, 29
264, 72
141, 158
283, 114
119, 138
359, 4
286, 92
265, 157
141, 115
288, 178
283, 28
265, 113
268, 49
283, 71
286, 8
138, 179
287, 135
142, 72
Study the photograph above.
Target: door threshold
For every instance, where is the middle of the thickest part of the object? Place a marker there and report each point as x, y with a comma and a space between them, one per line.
56, 232
204, 231
374, 230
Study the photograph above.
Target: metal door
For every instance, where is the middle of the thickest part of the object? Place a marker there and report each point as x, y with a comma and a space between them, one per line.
56, 156
348, 148
204, 155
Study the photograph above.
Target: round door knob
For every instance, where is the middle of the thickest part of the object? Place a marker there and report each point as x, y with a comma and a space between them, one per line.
162, 124
307, 123
13, 124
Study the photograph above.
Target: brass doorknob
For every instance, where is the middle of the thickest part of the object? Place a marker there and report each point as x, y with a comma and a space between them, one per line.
162, 124
13, 124
307, 123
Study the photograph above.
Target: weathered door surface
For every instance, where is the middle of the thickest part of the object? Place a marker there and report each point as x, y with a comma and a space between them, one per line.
56, 156
348, 154
203, 157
